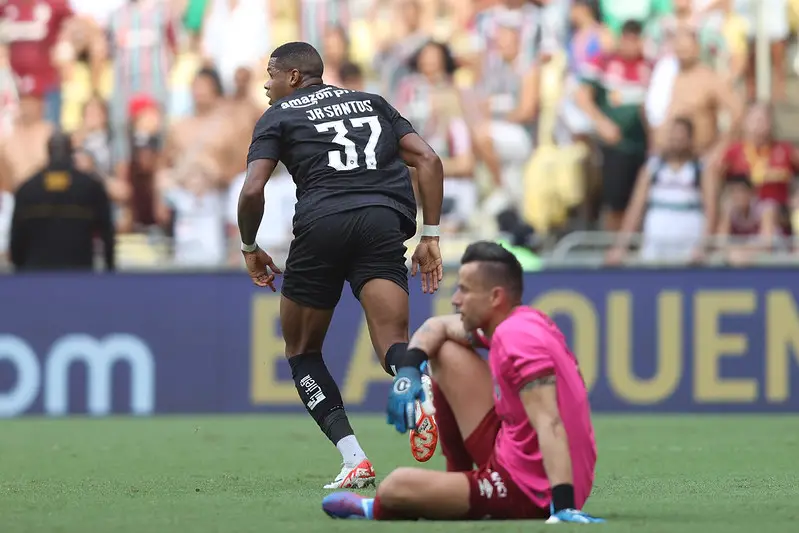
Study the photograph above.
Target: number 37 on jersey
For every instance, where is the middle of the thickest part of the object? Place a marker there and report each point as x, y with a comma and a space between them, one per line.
361, 129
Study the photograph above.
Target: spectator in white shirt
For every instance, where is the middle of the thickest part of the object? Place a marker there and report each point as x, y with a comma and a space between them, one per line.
280, 196
199, 216
236, 33
503, 134
98, 11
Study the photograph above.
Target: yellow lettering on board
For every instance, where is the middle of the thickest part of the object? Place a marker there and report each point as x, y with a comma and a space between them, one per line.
668, 368
267, 350
710, 346
584, 326
782, 337
364, 369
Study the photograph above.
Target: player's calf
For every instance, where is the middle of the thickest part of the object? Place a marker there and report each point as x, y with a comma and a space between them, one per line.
322, 398
449, 435
398, 492
410, 493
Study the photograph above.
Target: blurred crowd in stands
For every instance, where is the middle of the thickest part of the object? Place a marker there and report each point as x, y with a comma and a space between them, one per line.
551, 116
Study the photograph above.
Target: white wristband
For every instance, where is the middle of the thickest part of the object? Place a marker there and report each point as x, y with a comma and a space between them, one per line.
249, 248
430, 231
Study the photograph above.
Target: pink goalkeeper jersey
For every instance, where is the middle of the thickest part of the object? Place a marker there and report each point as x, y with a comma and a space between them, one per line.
524, 346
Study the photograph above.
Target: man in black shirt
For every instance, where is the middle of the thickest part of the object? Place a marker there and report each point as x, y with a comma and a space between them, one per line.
57, 214
348, 153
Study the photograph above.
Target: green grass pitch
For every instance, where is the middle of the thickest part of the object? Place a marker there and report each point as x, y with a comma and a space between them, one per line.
722, 474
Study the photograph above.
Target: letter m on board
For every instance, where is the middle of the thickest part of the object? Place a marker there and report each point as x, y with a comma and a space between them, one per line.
99, 358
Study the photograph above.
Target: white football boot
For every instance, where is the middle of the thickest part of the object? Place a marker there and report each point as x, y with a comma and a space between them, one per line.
424, 439
354, 477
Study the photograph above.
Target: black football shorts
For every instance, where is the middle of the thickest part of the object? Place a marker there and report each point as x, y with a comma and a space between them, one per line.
357, 245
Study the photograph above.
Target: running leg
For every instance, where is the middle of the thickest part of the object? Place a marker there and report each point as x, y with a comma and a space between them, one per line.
311, 289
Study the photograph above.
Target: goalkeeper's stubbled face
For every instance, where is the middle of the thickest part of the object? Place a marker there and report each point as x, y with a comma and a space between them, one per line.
474, 297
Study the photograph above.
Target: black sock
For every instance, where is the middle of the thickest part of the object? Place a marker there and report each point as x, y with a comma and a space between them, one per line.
399, 355
320, 395
563, 497
394, 357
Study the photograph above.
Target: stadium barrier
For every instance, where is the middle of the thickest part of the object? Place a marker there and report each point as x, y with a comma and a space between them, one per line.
142, 344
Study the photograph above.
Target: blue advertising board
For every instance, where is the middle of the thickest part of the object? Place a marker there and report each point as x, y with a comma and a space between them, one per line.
647, 341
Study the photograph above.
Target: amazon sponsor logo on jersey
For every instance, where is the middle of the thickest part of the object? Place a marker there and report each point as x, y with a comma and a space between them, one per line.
338, 110
312, 99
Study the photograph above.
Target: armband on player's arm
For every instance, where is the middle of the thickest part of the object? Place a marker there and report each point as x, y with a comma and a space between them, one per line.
540, 400
430, 230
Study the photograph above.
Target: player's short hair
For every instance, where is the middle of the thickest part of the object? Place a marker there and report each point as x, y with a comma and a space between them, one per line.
212, 75
498, 265
299, 56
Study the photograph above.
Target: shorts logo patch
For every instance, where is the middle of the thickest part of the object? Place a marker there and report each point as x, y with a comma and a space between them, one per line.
402, 385
486, 489
499, 485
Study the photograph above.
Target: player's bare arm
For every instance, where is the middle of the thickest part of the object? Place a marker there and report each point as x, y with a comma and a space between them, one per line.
419, 155
439, 329
251, 199
430, 171
250, 213
540, 400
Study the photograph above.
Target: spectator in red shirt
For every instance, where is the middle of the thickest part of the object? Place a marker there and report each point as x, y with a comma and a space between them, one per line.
748, 226
769, 164
36, 31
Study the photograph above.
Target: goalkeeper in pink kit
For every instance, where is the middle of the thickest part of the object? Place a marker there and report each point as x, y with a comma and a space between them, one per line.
515, 430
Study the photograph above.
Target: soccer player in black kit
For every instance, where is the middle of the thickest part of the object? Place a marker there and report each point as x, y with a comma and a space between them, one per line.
349, 154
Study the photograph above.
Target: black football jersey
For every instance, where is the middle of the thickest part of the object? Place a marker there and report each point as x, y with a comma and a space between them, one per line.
342, 149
